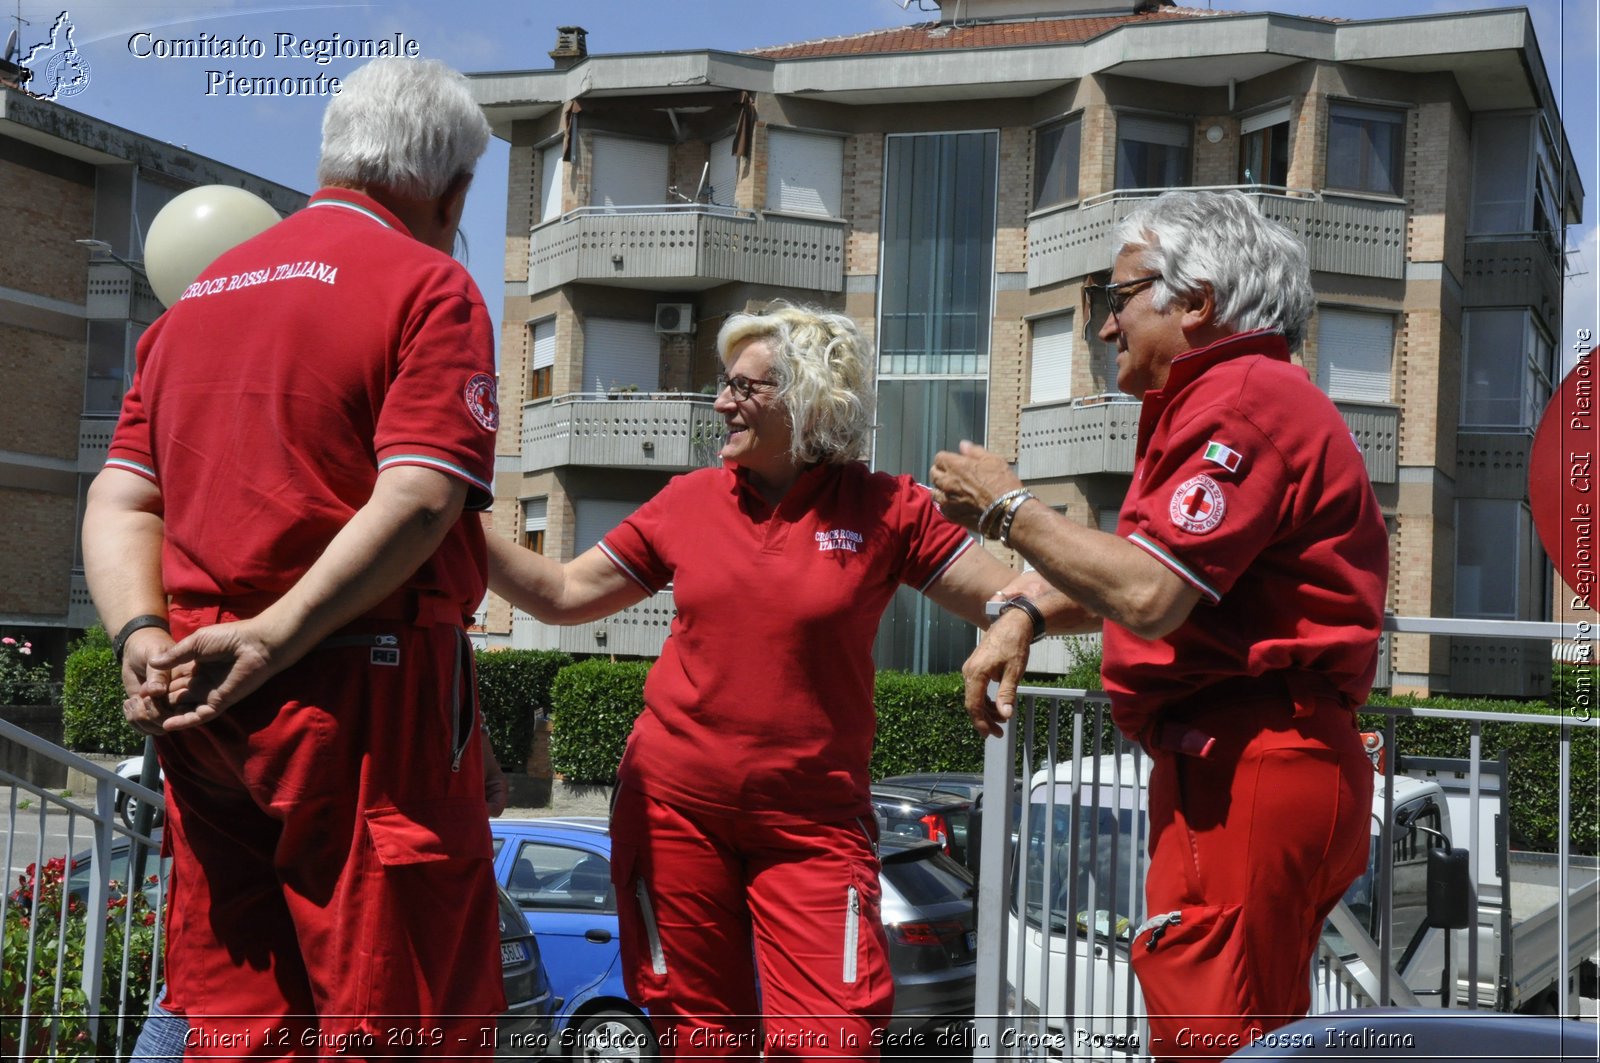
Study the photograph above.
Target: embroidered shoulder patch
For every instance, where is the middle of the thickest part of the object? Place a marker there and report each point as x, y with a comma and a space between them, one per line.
480, 394
1221, 454
1197, 505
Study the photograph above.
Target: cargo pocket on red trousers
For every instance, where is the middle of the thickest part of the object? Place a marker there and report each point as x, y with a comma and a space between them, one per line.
1191, 968
431, 910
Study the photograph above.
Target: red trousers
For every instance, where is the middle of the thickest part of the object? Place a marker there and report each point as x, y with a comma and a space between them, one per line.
1251, 847
741, 936
332, 887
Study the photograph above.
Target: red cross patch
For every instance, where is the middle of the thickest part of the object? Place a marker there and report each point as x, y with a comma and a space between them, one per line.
1197, 505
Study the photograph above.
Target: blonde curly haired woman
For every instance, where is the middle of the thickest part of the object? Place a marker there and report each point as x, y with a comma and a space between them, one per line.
743, 840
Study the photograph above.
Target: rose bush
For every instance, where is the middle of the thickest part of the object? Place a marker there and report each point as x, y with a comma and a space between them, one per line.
23, 680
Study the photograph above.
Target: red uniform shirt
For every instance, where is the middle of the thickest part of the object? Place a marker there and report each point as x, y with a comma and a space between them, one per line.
761, 700
296, 367
1249, 486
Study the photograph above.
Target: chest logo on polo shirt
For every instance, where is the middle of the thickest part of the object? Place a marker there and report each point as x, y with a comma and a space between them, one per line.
1197, 505
480, 395
839, 539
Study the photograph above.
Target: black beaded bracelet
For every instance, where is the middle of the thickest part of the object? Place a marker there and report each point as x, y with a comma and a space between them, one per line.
138, 623
1024, 603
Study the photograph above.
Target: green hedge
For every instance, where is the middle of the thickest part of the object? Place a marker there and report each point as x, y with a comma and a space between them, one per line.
513, 689
91, 699
1532, 752
592, 708
923, 726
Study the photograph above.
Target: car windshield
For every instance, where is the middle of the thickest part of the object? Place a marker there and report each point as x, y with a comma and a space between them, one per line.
927, 878
1106, 847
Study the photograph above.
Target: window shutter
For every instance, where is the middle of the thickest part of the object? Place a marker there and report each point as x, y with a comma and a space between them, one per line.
1152, 131
1251, 123
628, 172
595, 517
1354, 353
552, 177
535, 514
804, 173
1051, 376
620, 353
724, 174
544, 345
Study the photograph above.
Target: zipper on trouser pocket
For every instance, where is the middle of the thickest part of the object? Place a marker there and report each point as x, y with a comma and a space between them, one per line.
1157, 925
463, 700
852, 934
647, 912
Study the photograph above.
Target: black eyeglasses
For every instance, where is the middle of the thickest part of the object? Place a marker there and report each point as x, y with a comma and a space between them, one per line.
1102, 299
742, 386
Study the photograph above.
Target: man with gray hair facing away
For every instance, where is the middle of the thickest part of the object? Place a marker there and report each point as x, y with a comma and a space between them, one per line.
286, 489
1242, 598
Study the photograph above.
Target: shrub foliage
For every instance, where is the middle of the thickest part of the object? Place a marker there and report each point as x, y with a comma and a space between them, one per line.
592, 708
513, 691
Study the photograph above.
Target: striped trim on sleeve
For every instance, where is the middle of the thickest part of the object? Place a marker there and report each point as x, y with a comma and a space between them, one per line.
966, 544
623, 567
1183, 572
433, 462
137, 468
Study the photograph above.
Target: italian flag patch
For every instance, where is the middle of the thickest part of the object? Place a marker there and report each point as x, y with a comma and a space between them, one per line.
1222, 454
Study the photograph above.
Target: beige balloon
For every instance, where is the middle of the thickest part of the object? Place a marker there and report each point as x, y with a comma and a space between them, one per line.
190, 232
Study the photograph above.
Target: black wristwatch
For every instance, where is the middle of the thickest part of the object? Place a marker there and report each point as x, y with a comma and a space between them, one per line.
138, 623
1025, 604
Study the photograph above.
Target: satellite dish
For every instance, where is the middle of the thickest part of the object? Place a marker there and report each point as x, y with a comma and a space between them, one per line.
191, 231
12, 50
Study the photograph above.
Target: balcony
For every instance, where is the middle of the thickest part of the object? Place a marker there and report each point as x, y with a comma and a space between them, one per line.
1513, 269
117, 293
1376, 428
631, 430
637, 631
94, 440
1364, 238
1097, 434
80, 606
687, 246
1078, 437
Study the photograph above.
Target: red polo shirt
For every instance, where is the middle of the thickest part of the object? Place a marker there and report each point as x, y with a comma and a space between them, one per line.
1249, 486
761, 701
296, 367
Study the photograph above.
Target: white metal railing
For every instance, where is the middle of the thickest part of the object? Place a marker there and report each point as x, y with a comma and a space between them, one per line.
1148, 193
1075, 902
76, 930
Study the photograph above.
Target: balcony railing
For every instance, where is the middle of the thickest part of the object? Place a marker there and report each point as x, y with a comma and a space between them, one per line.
637, 631
1361, 237
682, 242
1376, 428
117, 293
626, 430
1512, 269
1078, 437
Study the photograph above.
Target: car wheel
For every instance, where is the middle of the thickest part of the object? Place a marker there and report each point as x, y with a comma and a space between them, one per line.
128, 809
614, 1035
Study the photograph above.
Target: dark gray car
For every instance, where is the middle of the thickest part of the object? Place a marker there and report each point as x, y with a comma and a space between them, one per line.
932, 928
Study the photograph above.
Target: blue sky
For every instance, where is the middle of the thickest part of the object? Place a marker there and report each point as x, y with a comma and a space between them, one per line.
277, 137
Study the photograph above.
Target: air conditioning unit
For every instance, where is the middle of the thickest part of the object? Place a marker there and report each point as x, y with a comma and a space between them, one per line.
674, 319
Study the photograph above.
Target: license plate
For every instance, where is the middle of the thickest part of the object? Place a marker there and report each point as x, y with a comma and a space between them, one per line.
513, 953
972, 941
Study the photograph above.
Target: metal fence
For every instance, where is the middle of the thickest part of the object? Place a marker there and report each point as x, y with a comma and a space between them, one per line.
80, 916
1063, 860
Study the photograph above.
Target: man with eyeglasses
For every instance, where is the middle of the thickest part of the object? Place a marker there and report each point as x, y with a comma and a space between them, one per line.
1242, 597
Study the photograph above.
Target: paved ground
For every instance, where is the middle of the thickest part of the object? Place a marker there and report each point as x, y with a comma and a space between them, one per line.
568, 800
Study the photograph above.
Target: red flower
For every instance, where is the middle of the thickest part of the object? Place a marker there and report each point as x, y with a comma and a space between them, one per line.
149, 918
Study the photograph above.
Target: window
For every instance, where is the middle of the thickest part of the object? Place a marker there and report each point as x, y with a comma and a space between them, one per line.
595, 517
627, 172
805, 173
1151, 152
541, 358
1364, 148
1507, 364
1492, 557
723, 172
1056, 151
1050, 375
535, 520
1355, 350
552, 182
620, 354
1500, 172
1264, 148
561, 878
109, 368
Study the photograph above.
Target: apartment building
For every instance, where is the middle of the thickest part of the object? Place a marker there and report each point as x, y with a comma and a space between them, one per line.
952, 185
70, 315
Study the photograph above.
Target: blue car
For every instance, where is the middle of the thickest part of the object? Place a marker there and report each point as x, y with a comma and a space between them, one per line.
559, 872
